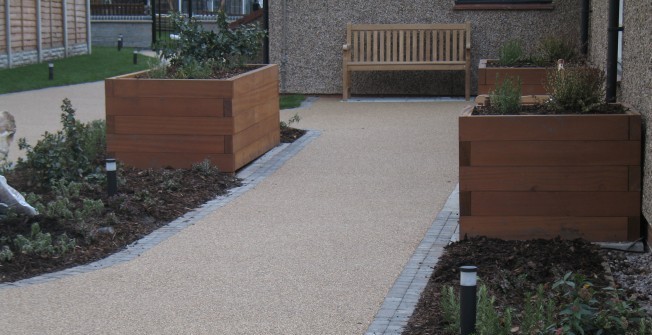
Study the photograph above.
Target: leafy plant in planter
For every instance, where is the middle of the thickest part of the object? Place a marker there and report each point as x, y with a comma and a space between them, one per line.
196, 53
531, 69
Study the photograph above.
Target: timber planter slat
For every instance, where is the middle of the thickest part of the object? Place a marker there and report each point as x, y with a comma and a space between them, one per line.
532, 78
543, 176
165, 122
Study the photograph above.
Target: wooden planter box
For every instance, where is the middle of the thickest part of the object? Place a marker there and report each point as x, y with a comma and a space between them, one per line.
532, 78
542, 176
166, 122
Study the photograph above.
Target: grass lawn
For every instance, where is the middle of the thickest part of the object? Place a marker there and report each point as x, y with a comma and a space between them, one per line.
291, 101
103, 63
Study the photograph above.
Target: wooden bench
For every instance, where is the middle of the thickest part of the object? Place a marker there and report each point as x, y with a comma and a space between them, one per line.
407, 47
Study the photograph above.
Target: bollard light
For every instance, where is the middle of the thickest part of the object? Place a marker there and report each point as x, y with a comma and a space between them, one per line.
111, 178
135, 57
50, 71
468, 284
120, 42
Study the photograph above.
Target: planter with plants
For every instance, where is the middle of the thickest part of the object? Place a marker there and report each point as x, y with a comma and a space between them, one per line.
201, 102
513, 62
569, 166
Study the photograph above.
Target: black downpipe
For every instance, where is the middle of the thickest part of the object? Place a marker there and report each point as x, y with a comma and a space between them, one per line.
189, 8
266, 27
584, 27
612, 50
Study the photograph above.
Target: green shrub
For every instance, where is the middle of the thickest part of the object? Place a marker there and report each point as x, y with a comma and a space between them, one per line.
552, 48
41, 243
197, 52
510, 53
570, 306
294, 119
6, 254
450, 307
576, 89
69, 154
506, 99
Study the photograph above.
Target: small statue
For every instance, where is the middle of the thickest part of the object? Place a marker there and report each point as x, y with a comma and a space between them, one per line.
7, 131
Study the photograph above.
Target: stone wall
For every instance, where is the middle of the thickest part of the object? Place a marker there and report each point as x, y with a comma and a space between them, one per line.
136, 34
306, 40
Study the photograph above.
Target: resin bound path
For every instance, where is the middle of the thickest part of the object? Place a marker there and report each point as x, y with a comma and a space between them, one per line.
313, 248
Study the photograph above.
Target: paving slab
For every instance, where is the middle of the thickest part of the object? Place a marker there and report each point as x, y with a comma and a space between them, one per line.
313, 248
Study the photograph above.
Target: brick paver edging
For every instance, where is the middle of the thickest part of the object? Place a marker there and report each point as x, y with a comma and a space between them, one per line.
251, 176
402, 298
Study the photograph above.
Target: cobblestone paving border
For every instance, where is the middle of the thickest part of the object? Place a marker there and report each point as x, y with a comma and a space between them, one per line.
251, 176
402, 298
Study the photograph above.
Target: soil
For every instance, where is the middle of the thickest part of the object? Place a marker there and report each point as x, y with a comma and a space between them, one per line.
147, 200
289, 135
546, 109
512, 269
171, 73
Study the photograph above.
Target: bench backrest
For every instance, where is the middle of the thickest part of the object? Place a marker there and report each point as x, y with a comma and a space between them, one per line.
408, 42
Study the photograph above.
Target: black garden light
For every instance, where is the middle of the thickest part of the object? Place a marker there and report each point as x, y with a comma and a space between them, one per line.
135, 57
120, 42
111, 178
468, 282
50, 71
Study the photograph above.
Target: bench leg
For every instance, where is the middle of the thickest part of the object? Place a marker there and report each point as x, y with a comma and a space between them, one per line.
346, 79
467, 85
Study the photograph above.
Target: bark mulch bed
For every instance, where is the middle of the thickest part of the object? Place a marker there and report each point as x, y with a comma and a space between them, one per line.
147, 200
510, 270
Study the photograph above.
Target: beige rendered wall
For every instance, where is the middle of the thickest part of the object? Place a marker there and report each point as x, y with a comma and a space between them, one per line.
306, 38
635, 89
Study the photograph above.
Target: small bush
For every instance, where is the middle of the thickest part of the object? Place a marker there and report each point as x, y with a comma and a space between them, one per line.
294, 119
570, 306
552, 48
576, 89
69, 154
510, 53
42, 244
506, 99
198, 52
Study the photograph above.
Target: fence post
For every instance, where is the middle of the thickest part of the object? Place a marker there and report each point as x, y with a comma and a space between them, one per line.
8, 34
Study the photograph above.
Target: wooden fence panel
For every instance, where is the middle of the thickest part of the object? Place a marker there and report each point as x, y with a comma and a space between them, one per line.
25, 29
3, 30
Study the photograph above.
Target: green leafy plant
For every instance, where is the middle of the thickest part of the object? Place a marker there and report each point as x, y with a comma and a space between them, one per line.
506, 99
553, 48
6, 254
69, 154
538, 312
197, 53
511, 53
586, 309
450, 306
576, 89
489, 320
41, 243
570, 306
294, 119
